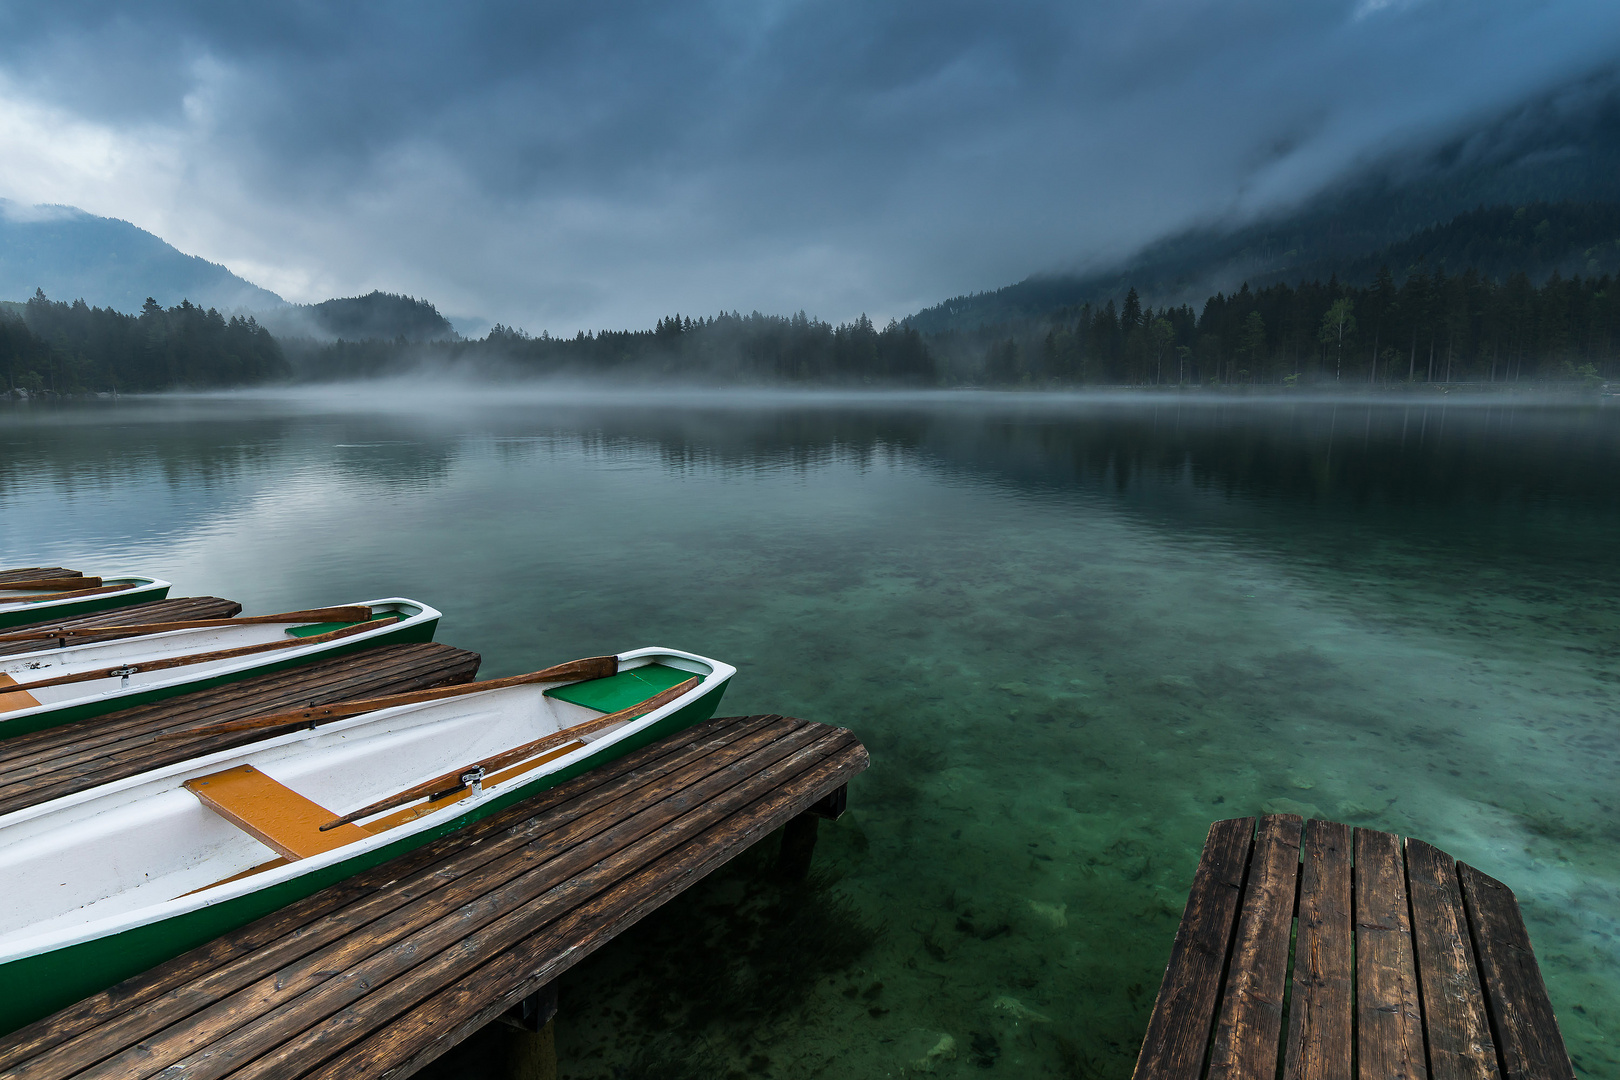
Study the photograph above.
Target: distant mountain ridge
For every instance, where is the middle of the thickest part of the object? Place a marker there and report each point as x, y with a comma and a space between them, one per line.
1550, 151
106, 262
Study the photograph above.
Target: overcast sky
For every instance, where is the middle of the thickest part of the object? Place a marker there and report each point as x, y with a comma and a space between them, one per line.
600, 164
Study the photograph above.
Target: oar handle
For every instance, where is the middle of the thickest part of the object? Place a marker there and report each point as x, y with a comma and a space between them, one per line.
592, 667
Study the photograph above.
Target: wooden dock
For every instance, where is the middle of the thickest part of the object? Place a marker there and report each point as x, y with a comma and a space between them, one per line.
1408, 965
381, 974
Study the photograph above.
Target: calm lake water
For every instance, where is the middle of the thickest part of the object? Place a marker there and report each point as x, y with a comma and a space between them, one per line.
1072, 633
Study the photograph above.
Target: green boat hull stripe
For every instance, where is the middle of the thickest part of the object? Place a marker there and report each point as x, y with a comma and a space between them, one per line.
623, 690
36, 986
88, 606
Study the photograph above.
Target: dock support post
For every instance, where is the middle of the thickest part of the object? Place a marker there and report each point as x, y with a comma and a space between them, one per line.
532, 1041
799, 835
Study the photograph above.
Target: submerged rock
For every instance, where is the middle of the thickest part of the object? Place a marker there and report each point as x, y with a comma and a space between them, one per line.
1291, 806
943, 1050
1054, 915
1018, 1010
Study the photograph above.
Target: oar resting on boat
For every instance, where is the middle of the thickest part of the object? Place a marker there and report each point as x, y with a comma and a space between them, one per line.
51, 584
187, 659
347, 613
591, 667
472, 776
57, 594
104, 668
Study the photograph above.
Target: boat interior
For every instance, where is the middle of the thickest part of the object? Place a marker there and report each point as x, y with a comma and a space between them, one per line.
186, 834
204, 644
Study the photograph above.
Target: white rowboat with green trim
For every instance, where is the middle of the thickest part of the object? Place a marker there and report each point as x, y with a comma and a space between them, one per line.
105, 883
53, 686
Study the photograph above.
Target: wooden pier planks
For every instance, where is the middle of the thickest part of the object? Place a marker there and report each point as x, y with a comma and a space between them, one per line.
1407, 964
1521, 1014
31, 573
186, 607
1389, 1025
58, 761
1252, 1006
1176, 1041
378, 975
1460, 1045
1320, 1028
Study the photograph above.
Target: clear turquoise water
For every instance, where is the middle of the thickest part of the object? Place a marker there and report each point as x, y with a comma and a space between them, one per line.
1072, 633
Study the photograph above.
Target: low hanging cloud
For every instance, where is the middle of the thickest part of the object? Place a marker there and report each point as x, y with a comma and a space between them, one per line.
579, 166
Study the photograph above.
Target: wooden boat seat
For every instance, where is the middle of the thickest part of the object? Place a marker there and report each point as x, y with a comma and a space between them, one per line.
271, 812
14, 700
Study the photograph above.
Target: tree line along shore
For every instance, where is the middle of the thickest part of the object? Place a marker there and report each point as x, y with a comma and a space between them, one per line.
1429, 328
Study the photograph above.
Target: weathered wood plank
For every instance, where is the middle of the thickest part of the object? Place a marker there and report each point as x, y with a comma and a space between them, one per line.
100, 1025
1249, 1031
184, 607
1522, 1019
407, 1042
1389, 1023
76, 756
1320, 1026
1459, 1032
1184, 1011
284, 1002
290, 1007
26, 573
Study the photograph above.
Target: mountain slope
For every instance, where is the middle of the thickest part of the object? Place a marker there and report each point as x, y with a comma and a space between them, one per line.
1565, 148
109, 263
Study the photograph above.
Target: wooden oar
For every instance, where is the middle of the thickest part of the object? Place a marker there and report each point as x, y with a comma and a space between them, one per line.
467, 775
65, 595
592, 667
348, 613
204, 658
57, 583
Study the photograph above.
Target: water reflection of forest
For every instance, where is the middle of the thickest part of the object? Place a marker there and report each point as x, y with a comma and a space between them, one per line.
1399, 454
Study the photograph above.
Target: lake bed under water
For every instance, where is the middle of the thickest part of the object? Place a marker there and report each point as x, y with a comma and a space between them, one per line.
1071, 632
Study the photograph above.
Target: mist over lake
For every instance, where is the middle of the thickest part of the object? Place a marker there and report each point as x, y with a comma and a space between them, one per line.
1072, 631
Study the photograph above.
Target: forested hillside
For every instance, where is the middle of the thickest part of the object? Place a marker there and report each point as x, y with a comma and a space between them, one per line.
63, 348
719, 349
375, 316
1430, 328
1542, 153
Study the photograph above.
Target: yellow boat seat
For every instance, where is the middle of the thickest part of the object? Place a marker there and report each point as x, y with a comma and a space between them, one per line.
271, 812
14, 700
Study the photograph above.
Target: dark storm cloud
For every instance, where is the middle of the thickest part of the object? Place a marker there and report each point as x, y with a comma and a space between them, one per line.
596, 164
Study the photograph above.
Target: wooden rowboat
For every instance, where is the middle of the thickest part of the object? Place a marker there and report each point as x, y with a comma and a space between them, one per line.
37, 600
107, 882
78, 673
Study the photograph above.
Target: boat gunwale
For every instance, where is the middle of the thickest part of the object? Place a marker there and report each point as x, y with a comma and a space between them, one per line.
225, 891
13, 605
424, 614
